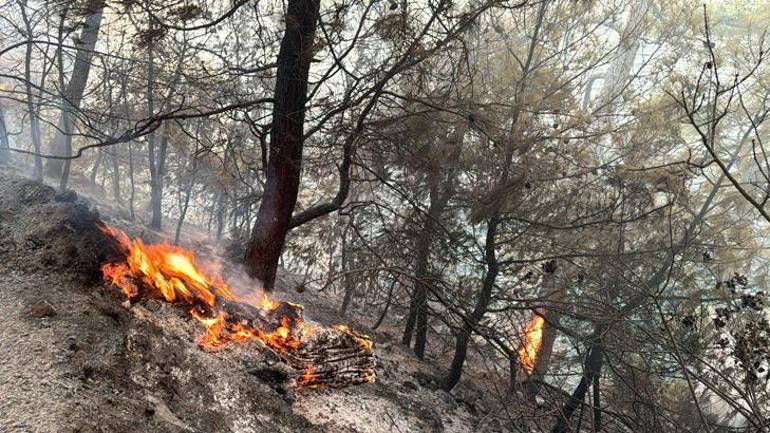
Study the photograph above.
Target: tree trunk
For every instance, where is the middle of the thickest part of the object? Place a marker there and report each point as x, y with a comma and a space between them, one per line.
482, 302
95, 167
348, 278
132, 186
73, 94
115, 175
553, 293
418, 308
221, 212
619, 70
34, 113
186, 203
113, 151
66, 111
132, 193
4, 145
157, 171
157, 160
592, 370
285, 159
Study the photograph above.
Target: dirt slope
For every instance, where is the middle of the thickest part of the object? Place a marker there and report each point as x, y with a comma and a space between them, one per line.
75, 360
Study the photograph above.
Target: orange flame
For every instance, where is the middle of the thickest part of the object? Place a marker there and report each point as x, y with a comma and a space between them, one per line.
533, 341
170, 273
308, 378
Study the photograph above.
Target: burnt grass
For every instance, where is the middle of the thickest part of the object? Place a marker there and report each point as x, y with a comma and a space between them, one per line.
76, 360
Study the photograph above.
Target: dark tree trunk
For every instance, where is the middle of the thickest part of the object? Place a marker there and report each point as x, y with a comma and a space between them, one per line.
593, 367
221, 212
4, 145
157, 157
348, 282
132, 190
95, 167
418, 308
157, 171
113, 152
115, 175
285, 159
34, 111
65, 146
482, 302
132, 186
73, 94
184, 205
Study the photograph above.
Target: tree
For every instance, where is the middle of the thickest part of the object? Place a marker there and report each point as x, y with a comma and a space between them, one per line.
4, 144
72, 94
284, 162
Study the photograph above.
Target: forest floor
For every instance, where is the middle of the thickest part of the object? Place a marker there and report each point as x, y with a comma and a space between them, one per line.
75, 360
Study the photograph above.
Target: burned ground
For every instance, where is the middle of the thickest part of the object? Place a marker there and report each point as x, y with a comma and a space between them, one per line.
76, 360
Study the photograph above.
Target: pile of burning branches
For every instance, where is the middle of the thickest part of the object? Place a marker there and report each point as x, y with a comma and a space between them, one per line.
331, 357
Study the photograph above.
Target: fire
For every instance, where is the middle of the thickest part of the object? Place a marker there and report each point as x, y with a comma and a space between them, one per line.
170, 273
363, 340
308, 378
268, 304
533, 341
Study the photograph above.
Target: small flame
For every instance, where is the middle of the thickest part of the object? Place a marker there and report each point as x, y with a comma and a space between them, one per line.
308, 378
533, 341
268, 304
363, 340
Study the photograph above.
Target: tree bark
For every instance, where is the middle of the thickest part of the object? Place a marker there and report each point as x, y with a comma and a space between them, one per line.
132, 190
34, 113
66, 111
553, 293
73, 94
4, 145
95, 167
286, 139
157, 171
188, 193
220, 217
417, 322
348, 282
115, 175
482, 302
156, 156
592, 370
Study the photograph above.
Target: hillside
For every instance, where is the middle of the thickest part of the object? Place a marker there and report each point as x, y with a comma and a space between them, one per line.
76, 360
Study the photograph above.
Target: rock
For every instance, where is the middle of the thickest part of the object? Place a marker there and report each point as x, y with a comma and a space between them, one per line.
41, 309
410, 385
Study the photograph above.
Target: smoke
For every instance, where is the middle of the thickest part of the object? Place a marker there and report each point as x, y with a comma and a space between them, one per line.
248, 290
